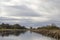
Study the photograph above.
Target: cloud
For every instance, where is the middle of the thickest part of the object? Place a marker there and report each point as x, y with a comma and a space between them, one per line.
30, 11
19, 11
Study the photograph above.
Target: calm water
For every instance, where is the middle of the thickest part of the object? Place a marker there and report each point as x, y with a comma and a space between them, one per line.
24, 36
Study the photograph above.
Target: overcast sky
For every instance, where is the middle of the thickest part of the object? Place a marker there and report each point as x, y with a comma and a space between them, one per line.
30, 12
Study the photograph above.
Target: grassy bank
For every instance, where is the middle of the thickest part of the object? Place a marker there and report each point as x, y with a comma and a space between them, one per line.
12, 30
50, 33
7, 32
50, 30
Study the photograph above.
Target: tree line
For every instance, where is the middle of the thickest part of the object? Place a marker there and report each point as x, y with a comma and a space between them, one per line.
15, 26
52, 26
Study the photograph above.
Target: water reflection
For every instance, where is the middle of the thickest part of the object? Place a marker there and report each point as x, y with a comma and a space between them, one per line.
7, 33
23, 35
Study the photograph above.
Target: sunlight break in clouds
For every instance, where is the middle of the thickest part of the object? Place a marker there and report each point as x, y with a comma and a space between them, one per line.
34, 10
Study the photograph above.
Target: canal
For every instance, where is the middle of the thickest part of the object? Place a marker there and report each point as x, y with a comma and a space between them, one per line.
24, 36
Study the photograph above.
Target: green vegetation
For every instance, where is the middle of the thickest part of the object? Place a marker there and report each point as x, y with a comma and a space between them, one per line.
49, 30
49, 27
7, 29
15, 26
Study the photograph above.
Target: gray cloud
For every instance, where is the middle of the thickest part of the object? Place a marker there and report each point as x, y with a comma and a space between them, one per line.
5, 0
20, 11
27, 22
39, 12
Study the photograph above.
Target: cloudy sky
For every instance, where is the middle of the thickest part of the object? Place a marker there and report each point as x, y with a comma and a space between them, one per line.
30, 12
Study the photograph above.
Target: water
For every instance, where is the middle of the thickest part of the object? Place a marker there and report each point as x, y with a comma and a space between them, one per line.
24, 36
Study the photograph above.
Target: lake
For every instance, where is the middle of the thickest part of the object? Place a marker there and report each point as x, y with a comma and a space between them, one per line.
24, 36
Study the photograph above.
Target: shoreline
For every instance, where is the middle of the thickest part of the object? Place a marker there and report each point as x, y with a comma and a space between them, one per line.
50, 33
12, 30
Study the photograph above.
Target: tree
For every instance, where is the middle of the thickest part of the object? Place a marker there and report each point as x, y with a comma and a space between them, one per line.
30, 27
